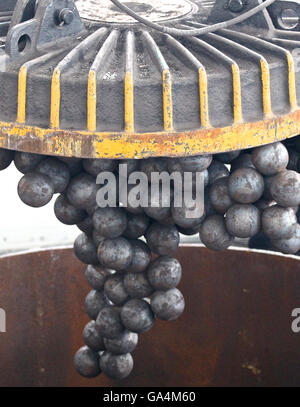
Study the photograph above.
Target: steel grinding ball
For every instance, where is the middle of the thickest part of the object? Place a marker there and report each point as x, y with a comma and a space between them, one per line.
246, 185
110, 222
114, 289
214, 235
162, 240
137, 225
86, 225
57, 171
92, 338
137, 285
74, 164
159, 204
278, 222
289, 246
227, 158
190, 214
82, 190
164, 273
153, 165
285, 188
115, 254
67, 213
96, 277
95, 301
27, 162
86, 250
126, 343
116, 367
270, 159
242, 161
217, 170
137, 316
219, 195
86, 362
6, 157
108, 322
97, 165
243, 220
197, 163
168, 305
35, 189
141, 256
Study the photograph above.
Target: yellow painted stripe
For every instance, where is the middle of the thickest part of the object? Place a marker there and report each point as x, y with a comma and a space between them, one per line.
204, 110
237, 94
129, 103
167, 101
92, 101
22, 94
292, 82
266, 88
55, 100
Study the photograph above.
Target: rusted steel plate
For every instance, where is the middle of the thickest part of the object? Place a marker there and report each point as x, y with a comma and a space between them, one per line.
236, 330
121, 145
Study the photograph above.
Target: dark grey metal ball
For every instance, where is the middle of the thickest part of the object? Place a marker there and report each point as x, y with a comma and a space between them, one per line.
86, 250
164, 273
285, 188
141, 256
116, 367
137, 285
289, 246
108, 322
153, 165
115, 254
158, 204
190, 214
74, 164
57, 171
114, 289
242, 161
97, 237
92, 338
168, 305
278, 222
95, 301
27, 162
246, 185
219, 195
6, 157
217, 170
67, 213
270, 159
137, 316
162, 240
96, 277
86, 225
227, 158
126, 343
86, 362
35, 189
243, 220
197, 163
82, 190
110, 222
214, 235
189, 231
137, 225
97, 165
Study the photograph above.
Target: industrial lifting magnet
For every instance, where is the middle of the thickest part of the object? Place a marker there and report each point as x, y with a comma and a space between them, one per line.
87, 80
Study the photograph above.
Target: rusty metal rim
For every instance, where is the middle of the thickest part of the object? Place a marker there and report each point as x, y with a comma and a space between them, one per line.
188, 244
72, 143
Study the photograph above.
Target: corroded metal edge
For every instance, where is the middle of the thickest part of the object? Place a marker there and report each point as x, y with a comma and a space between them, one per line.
135, 145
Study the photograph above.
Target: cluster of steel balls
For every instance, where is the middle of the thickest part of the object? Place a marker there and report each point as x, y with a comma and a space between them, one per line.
129, 251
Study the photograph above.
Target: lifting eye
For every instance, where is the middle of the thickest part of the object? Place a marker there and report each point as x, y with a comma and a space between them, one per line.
24, 43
